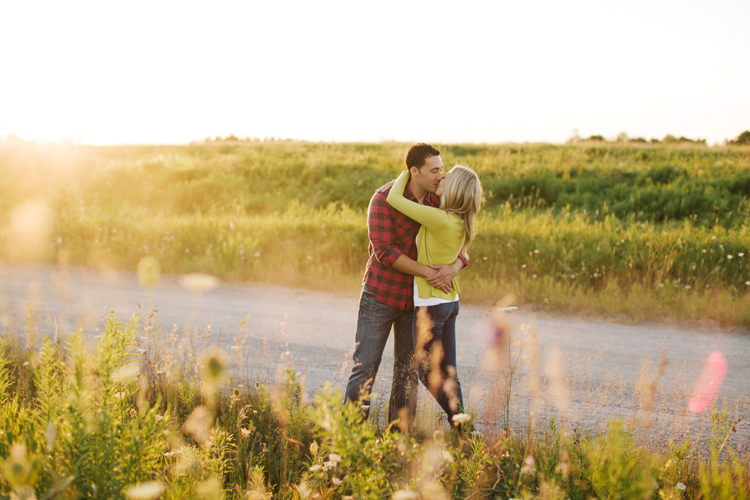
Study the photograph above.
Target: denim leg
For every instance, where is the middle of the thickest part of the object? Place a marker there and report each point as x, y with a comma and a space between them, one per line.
374, 323
443, 333
449, 351
405, 382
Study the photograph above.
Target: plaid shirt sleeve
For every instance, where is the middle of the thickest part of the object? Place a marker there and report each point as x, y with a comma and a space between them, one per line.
464, 260
380, 231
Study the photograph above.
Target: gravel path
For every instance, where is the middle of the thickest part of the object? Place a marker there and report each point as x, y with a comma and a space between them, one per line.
314, 331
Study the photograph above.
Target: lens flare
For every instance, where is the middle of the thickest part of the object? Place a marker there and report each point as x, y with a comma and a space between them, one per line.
709, 383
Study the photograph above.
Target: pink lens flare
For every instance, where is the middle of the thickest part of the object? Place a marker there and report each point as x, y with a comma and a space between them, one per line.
708, 385
488, 334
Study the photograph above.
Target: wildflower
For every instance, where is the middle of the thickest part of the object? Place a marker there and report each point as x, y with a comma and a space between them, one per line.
315, 467
256, 254
120, 395
334, 457
170, 453
687, 287
304, 490
533, 275
149, 489
713, 237
523, 266
328, 465
747, 283
536, 251
529, 465
461, 418
681, 486
704, 250
336, 481
235, 347
245, 432
507, 309
447, 457
730, 257
26, 363
405, 495
159, 418
740, 254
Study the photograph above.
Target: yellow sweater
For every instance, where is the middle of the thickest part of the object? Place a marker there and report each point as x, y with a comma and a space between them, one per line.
440, 238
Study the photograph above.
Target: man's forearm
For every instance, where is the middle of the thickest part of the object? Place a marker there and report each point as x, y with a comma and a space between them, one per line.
409, 266
458, 264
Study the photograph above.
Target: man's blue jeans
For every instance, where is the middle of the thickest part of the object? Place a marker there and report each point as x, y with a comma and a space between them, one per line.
373, 328
444, 332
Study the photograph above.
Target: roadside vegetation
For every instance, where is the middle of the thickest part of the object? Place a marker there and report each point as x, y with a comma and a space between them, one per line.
147, 415
642, 231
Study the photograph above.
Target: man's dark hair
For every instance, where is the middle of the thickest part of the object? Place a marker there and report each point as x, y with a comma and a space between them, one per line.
418, 153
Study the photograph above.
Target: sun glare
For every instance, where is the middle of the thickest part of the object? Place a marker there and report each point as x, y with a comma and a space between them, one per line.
485, 72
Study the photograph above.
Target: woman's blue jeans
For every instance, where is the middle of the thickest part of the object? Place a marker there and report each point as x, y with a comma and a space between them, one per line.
443, 332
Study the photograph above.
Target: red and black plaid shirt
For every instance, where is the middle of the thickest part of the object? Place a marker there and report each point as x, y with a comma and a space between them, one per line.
392, 234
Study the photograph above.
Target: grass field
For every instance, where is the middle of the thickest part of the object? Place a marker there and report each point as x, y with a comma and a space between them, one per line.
640, 232
632, 231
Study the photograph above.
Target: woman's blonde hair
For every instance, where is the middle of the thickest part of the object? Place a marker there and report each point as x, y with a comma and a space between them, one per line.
463, 197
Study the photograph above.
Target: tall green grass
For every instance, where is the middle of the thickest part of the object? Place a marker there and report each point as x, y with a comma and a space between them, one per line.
639, 231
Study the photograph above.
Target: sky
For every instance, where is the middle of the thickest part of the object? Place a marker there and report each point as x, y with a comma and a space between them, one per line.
444, 72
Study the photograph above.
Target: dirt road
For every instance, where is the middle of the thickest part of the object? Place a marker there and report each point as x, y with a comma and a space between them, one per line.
603, 359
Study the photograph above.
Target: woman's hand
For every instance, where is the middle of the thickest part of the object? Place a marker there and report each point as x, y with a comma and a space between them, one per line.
442, 279
385, 187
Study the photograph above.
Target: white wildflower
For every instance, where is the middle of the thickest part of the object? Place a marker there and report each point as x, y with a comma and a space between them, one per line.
405, 495
149, 489
461, 418
336, 481
315, 467
681, 486
529, 465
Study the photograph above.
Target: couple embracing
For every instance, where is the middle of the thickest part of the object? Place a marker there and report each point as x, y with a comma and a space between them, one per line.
419, 229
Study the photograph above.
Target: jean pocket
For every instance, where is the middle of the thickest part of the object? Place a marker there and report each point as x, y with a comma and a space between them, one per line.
440, 312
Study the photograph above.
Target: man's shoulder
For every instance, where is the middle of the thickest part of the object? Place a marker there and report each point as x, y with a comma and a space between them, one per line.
379, 200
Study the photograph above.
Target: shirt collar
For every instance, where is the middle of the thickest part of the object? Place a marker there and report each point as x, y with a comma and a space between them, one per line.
431, 200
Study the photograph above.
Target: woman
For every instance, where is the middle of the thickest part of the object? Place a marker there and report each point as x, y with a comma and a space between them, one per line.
445, 232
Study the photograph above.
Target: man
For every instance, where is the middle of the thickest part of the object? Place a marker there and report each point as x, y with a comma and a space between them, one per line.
387, 299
